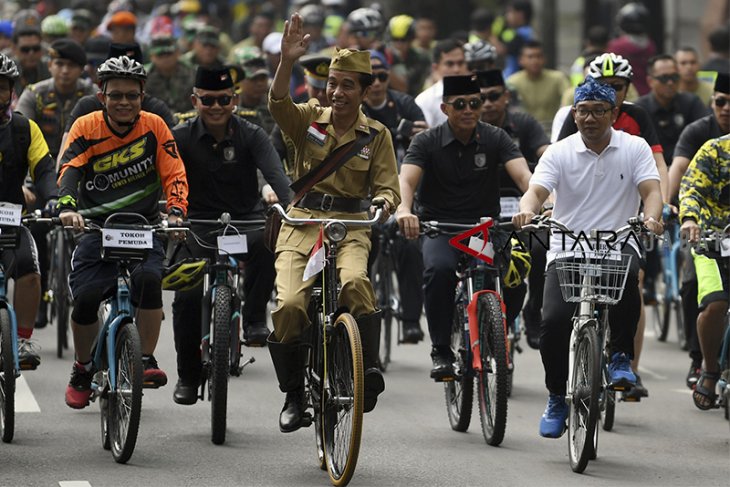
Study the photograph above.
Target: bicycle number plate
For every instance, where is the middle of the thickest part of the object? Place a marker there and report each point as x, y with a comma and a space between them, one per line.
510, 206
725, 247
10, 214
232, 244
126, 239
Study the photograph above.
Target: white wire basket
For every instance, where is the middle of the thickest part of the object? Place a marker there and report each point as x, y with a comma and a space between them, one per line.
597, 277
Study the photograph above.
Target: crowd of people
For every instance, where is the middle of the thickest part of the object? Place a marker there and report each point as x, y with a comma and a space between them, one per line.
106, 108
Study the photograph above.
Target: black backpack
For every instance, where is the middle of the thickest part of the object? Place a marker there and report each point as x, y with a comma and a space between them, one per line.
18, 162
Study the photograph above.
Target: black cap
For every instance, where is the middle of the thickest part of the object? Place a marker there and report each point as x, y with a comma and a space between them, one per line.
213, 79
97, 48
722, 83
68, 49
460, 85
489, 78
132, 51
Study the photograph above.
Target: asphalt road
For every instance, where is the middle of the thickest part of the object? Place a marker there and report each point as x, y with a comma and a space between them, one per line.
407, 441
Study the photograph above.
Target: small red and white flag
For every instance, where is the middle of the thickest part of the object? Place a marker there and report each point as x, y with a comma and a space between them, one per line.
316, 261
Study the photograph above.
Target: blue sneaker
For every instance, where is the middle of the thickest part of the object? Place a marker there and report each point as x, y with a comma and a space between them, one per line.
622, 377
552, 423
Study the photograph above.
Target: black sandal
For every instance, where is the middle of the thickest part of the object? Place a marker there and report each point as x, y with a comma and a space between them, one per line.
704, 398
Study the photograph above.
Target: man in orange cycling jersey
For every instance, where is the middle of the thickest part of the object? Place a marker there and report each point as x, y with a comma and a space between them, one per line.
116, 160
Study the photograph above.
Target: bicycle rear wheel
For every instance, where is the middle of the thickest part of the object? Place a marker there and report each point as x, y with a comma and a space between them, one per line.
586, 382
460, 391
220, 348
60, 300
7, 378
342, 401
383, 291
125, 400
493, 380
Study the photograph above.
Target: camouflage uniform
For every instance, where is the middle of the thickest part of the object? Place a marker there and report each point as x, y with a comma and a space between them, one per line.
174, 90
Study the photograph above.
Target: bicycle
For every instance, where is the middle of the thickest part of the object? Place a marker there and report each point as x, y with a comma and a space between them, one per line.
334, 372
223, 298
388, 302
117, 350
479, 335
10, 367
596, 280
61, 245
670, 301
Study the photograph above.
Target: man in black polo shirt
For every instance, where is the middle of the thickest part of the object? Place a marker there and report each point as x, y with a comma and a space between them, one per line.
692, 138
529, 136
670, 110
221, 152
457, 167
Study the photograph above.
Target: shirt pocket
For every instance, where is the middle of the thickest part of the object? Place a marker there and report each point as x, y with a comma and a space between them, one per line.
313, 156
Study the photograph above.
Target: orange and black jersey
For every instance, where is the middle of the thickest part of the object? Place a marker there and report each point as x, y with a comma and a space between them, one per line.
104, 172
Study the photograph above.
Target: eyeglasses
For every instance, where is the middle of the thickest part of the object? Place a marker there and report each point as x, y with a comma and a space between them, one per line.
209, 100
27, 49
596, 112
461, 103
666, 78
381, 76
117, 96
721, 101
616, 86
492, 96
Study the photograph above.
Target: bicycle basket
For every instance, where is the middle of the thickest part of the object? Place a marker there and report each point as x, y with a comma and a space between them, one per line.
596, 277
9, 238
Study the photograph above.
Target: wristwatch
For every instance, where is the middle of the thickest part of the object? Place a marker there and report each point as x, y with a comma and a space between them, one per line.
174, 210
547, 207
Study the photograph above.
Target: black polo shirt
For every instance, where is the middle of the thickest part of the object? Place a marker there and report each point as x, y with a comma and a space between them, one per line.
222, 176
398, 106
669, 122
528, 135
460, 183
696, 134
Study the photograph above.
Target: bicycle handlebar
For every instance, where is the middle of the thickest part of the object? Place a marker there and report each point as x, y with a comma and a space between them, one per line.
434, 226
313, 221
543, 222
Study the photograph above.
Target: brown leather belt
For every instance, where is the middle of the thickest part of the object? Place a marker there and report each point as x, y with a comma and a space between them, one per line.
328, 202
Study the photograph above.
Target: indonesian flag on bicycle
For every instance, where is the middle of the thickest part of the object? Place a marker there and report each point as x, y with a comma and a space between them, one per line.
316, 261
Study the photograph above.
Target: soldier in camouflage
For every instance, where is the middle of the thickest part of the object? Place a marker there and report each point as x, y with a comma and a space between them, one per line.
168, 77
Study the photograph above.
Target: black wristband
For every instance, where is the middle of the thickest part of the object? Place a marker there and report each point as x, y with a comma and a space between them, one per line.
174, 210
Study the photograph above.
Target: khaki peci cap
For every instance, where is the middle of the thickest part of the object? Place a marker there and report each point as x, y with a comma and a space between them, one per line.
351, 60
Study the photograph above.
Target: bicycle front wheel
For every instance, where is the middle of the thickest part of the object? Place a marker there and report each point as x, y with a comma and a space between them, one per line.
59, 304
493, 380
342, 400
125, 400
220, 348
7, 378
383, 291
460, 391
586, 382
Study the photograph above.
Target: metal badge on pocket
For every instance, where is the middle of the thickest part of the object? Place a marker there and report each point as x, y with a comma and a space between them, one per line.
480, 160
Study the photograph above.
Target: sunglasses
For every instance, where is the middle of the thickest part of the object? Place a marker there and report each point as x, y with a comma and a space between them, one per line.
492, 96
721, 101
381, 76
209, 100
666, 78
461, 103
117, 96
596, 112
616, 86
27, 49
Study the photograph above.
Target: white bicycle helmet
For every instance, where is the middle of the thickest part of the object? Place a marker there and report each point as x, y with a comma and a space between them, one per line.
365, 20
8, 68
610, 64
121, 67
480, 51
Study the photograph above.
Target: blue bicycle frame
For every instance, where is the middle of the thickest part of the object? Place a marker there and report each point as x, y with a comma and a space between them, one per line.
671, 273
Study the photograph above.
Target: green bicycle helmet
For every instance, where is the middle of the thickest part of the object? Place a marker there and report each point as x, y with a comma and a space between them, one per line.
184, 275
54, 25
520, 264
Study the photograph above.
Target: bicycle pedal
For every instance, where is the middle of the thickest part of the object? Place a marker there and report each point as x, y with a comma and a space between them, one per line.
518, 348
150, 385
307, 420
28, 366
626, 398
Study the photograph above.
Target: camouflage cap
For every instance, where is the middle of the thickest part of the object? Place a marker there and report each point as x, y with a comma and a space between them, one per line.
162, 44
351, 60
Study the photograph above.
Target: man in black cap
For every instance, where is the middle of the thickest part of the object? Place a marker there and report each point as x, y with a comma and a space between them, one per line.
690, 140
222, 152
529, 136
49, 104
455, 168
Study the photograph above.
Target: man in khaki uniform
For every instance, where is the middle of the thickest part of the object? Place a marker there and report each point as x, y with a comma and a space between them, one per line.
371, 172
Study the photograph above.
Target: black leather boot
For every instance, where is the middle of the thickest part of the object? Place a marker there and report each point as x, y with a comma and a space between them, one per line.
369, 326
288, 361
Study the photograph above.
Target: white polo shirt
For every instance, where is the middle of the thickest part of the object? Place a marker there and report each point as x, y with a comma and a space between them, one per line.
594, 191
429, 100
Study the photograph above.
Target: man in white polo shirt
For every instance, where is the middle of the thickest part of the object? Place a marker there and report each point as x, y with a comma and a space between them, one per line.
599, 176
448, 60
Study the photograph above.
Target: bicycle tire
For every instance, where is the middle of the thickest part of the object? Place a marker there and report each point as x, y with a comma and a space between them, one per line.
608, 400
125, 400
583, 414
62, 297
7, 378
219, 369
105, 438
459, 393
679, 317
493, 380
383, 290
234, 353
342, 405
